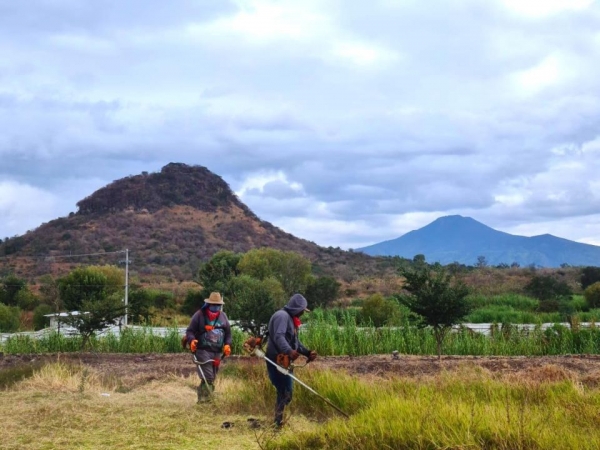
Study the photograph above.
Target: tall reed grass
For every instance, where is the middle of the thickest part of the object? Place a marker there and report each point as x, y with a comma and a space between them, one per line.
329, 338
324, 334
129, 341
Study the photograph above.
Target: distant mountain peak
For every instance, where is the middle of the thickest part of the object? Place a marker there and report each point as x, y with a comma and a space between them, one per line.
176, 184
461, 239
170, 221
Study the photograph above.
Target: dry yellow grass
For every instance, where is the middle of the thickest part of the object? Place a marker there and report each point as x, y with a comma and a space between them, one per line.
66, 407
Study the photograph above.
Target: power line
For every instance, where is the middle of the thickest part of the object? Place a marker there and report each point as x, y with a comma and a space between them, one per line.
63, 256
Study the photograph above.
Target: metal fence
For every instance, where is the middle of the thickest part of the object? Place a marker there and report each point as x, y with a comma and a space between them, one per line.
68, 331
482, 328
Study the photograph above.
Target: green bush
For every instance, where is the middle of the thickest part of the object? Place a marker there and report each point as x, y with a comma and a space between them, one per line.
592, 295
514, 301
547, 288
322, 291
26, 300
161, 299
9, 318
380, 311
39, 319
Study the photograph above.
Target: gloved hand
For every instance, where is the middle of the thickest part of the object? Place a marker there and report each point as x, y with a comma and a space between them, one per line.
227, 350
251, 343
312, 356
209, 327
194, 345
294, 355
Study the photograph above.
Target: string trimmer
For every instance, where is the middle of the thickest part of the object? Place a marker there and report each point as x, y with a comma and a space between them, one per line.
252, 347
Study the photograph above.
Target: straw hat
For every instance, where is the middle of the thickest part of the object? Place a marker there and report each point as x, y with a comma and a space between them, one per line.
214, 299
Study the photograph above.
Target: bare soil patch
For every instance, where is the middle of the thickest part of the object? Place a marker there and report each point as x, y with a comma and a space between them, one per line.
580, 368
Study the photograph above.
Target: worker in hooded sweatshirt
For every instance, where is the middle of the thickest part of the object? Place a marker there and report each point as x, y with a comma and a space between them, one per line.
285, 347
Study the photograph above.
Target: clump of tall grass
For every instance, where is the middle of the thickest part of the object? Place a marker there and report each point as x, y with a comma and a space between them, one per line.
12, 375
516, 301
65, 378
508, 314
468, 409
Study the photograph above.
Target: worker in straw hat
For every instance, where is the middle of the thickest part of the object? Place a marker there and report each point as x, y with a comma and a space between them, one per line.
209, 337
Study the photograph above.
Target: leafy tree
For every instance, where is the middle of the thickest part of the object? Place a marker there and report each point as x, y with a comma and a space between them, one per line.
27, 300
322, 291
193, 301
11, 285
161, 299
438, 298
481, 262
456, 268
380, 311
115, 278
545, 288
214, 275
9, 318
50, 293
254, 301
89, 284
40, 320
589, 276
291, 269
592, 295
139, 304
97, 314
419, 260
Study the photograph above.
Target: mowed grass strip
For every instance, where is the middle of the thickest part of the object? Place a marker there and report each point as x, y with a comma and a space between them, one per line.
64, 407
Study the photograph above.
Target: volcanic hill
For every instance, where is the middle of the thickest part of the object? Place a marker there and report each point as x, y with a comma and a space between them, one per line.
170, 221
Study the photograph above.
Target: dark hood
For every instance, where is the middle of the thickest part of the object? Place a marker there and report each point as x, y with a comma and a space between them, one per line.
296, 305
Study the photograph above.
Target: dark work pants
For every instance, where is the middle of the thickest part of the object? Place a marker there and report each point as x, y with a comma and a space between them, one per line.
284, 386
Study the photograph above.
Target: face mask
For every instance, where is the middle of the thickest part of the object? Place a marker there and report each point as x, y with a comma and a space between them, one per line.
214, 308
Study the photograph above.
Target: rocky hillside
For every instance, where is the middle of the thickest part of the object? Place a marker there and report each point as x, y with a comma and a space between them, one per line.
170, 221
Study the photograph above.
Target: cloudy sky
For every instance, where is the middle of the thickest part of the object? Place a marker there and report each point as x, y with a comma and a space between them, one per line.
344, 122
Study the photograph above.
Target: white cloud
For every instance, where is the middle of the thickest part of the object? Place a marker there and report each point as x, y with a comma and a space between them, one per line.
546, 73
258, 181
324, 113
544, 8
261, 21
364, 54
24, 207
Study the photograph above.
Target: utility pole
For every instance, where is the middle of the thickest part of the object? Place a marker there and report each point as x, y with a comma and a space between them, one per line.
126, 282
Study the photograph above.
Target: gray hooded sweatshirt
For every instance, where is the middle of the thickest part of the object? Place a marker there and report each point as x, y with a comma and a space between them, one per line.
282, 333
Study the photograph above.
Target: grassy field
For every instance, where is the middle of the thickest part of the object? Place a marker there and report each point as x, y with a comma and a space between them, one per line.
62, 406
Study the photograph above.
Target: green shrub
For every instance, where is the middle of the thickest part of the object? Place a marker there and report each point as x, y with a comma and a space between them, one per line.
546, 287
592, 295
39, 319
26, 300
9, 318
380, 311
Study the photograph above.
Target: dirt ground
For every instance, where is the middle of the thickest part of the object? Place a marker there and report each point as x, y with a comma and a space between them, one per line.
581, 368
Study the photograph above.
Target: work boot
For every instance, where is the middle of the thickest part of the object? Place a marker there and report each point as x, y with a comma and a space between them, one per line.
203, 393
279, 416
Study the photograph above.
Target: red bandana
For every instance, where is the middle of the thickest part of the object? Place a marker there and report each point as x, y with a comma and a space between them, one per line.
297, 322
212, 316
